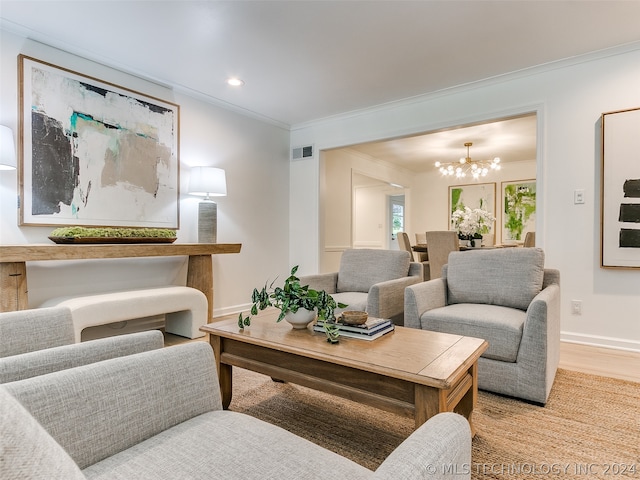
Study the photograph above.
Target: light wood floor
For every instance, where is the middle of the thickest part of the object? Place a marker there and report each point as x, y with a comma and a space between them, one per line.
607, 362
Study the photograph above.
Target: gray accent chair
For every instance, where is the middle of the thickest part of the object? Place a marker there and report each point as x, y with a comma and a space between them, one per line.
504, 296
39, 341
370, 280
158, 415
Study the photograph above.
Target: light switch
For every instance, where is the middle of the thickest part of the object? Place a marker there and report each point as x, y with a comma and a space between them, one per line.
578, 196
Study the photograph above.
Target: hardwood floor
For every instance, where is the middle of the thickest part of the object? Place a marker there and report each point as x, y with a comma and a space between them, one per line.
607, 362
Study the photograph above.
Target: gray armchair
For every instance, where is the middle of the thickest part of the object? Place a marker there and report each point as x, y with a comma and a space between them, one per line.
41, 340
370, 280
504, 296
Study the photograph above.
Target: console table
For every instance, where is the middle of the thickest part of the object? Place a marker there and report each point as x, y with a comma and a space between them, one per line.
13, 258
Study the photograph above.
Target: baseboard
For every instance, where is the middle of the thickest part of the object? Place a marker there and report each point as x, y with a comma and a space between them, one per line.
600, 341
235, 309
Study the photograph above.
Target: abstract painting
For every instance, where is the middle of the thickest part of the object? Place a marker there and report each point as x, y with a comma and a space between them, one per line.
94, 153
477, 195
518, 210
620, 190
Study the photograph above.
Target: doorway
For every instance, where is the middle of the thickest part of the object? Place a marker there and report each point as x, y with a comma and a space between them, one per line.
396, 219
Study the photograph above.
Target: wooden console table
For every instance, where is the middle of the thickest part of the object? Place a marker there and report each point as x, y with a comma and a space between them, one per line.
13, 258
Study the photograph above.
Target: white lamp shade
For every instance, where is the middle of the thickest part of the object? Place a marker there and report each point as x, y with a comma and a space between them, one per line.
7, 149
208, 182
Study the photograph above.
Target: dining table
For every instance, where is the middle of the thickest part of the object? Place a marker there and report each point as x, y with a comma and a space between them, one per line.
422, 247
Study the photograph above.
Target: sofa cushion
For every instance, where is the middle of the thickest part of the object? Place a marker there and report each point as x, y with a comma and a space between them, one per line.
362, 268
510, 277
500, 326
27, 451
229, 445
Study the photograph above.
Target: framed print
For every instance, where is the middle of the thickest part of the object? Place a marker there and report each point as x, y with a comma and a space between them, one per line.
620, 190
518, 210
93, 153
476, 195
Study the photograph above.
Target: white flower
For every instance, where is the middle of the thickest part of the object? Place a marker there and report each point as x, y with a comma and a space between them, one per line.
470, 222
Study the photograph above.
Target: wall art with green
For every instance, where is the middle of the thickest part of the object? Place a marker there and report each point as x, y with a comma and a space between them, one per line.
519, 209
477, 195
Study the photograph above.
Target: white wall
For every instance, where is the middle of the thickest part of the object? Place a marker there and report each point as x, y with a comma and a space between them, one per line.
254, 212
569, 99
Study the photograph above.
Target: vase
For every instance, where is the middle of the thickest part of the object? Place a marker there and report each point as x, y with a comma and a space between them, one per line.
300, 319
476, 242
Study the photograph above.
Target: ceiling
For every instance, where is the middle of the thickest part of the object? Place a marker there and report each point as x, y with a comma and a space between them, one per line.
513, 140
306, 60
302, 61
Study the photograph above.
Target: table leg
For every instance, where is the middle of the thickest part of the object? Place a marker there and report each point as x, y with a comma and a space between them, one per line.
429, 401
468, 402
225, 373
200, 276
13, 286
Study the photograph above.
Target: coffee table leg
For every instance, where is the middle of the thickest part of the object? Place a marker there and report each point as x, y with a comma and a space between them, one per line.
428, 402
468, 402
225, 373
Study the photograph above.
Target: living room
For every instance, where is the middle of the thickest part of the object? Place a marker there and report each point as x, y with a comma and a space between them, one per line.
277, 221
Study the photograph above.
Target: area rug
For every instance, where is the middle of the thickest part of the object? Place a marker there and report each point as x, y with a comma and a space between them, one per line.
590, 427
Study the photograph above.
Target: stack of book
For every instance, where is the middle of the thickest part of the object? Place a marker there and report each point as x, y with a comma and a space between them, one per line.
370, 330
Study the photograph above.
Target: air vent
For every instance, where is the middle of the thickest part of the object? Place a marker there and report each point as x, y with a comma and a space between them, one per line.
300, 153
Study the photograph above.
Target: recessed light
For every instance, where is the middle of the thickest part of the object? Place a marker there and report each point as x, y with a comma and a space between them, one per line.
235, 82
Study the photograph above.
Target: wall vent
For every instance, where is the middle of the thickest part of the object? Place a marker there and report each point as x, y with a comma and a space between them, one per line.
300, 153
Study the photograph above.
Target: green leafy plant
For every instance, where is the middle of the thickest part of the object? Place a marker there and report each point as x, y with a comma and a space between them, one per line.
117, 232
291, 297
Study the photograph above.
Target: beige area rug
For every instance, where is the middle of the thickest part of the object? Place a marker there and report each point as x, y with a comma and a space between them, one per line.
590, 428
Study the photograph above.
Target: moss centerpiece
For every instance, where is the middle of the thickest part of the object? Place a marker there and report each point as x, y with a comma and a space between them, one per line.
112, 235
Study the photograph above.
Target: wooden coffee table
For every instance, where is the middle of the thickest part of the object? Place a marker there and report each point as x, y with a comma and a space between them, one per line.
415, 373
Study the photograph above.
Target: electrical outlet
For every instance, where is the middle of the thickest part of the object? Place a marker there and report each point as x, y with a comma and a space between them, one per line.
576, 307
578, 196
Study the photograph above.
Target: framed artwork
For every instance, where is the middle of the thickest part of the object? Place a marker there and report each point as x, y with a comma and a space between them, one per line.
93, 153
620, 190
518, 210
476, 195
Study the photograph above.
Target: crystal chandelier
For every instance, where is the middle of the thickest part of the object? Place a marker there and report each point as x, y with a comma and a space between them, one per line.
465, 166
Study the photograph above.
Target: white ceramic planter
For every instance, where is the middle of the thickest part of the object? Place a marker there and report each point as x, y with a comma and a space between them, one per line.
301, 318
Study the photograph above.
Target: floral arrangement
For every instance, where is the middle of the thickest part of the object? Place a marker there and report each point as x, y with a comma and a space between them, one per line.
472, 223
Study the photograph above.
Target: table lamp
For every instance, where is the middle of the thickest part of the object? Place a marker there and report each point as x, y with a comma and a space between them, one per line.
7, 149
207, 182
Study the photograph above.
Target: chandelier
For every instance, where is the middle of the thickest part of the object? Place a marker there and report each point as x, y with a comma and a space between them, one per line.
465, 166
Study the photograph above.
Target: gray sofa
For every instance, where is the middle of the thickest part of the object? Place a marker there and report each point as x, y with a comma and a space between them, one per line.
370, 280
40, 341
504, 296
158, 414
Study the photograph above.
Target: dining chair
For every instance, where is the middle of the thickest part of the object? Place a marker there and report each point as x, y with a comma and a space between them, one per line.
488, 240
405, 244
421, 239
530, 239
440, 244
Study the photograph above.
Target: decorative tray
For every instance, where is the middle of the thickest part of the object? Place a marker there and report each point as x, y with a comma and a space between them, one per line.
95, 240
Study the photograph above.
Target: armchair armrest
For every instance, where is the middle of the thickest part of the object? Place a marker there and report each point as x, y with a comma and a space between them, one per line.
439, 449
386, 299
540, 345
423, 297
32, 364
322, 281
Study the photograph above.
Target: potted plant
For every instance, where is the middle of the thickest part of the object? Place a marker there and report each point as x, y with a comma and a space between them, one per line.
471, 224
294, 299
